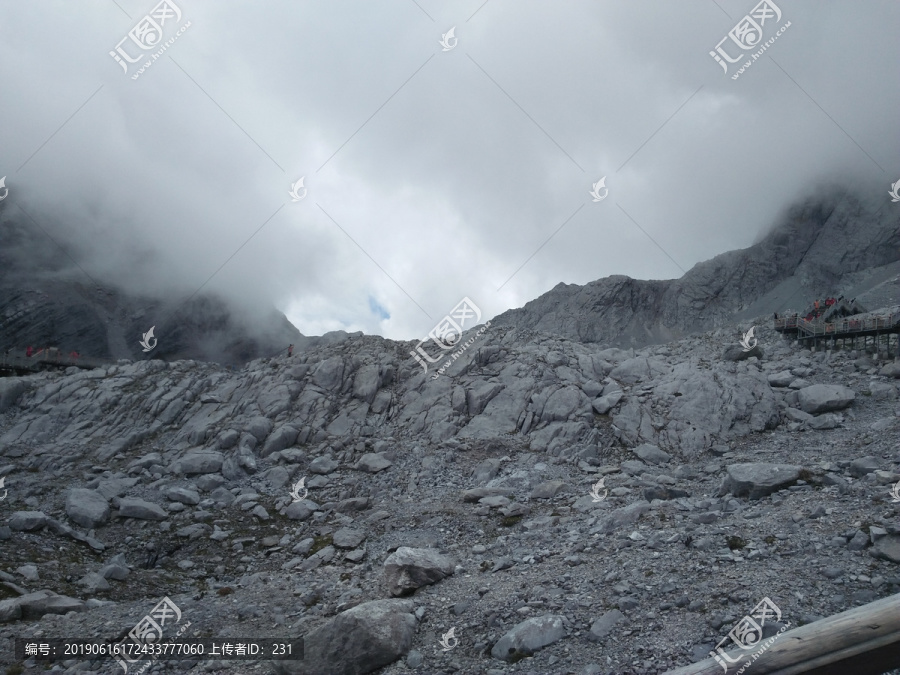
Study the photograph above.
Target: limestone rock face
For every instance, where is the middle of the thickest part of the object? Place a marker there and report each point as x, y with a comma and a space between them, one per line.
813, 247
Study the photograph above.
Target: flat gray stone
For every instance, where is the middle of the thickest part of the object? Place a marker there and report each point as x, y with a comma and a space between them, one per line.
548, 489
348, 538
652, 454
780, 379
819, 398
477, 494
28, 521
758, 480
529, 636
604, 625
373, 462
209, 461
142, 509
183, 495
323, 465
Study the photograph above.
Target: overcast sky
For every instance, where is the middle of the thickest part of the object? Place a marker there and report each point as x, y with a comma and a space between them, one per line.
431, 175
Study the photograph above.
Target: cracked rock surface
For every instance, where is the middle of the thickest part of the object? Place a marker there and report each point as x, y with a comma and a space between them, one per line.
471, 495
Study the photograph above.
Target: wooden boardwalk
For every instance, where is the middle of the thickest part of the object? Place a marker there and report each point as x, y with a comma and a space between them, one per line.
844, 329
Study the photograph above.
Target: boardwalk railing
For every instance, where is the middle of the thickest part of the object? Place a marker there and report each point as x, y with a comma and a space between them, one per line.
838, 328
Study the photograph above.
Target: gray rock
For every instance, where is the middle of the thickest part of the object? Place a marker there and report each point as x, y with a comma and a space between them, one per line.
281, 438
11, 390
32, 606
87, 508
183, 495
604, 625
300, 510
861, 466
603, 404
859, 541
735, 352
798, 415
373, 462
142, 509
486, 470
890, 370
208, 461
756, 481
887, 548
28, 521
652, 454
357, 641
415, 659
633, 467
407, 569
114, 571
820, 398
826, 421
93, 582
322, 465
348, 538
30, 572
627, 515
477, 494
548, 489
780, 379
259, 427
529, 636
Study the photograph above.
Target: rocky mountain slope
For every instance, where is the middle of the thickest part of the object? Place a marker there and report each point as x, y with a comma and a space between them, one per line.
472, 501
829, 245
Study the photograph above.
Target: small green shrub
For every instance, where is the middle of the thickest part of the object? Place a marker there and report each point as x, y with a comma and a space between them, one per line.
735, 543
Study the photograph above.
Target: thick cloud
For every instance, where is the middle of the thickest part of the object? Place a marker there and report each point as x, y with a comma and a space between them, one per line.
431, 174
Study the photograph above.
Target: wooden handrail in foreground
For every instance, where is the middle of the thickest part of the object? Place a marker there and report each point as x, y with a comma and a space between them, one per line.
861, 641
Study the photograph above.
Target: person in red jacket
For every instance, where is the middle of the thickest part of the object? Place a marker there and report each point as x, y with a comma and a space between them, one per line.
29, 352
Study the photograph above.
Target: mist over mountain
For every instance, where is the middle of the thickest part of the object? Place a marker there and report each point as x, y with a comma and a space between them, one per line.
47, 299
828, 244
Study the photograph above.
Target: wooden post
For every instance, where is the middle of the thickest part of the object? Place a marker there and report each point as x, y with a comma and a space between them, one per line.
863, 641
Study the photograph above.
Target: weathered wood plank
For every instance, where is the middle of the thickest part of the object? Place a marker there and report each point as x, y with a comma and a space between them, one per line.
860, 641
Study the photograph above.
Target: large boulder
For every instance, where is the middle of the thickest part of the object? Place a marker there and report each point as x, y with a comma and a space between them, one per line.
407, 569
756, 481
87, 508
529, 636
819, 398
358, 641
890, 370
